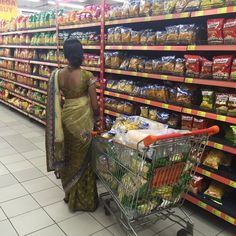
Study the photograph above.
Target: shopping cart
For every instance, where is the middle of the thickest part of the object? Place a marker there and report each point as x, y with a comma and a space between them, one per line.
149, 182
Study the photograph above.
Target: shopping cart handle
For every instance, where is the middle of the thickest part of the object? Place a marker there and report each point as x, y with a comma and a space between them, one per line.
152, 139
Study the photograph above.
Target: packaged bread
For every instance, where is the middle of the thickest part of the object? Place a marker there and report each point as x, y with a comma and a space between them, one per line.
145, 7
125, 35
158, 7
135, 37
116, 60
187, 34
168, 64
144, 112
172, 34
161, 37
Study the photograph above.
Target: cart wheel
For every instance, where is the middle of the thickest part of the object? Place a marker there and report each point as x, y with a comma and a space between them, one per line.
183, 232
107, 212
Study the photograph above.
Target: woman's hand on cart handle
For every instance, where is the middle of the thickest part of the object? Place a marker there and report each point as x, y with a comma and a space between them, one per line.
152, 139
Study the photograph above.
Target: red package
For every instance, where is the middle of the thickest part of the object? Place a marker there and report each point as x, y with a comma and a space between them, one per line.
221, 67
215, 31
229, 31
186, 122
233, 70
199, 123
196, 184
206, 70
193, 65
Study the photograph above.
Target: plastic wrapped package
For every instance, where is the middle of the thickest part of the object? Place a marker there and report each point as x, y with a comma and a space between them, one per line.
144, 112
169, 6
168, 64
233, 70
213, 159
148, 66
172, 34
193, 65
192, 5
157, 65
163, 117
179, 67
128, 108
229, 31
199, 123
161, 37
206, 69
180, 5
125, 35
117, 35
125, 64
151, 38
187, 34
173, 95
158, 7
215, 192
196, 184
110, 35
134, 8
230, 134
152, 114
184, 95
207, 99
221, 103
232, 105
145, 7
121, 85
135, 37
215, 30
116, 59
186, 122
144, 37
161, 93
174, 121
134, 62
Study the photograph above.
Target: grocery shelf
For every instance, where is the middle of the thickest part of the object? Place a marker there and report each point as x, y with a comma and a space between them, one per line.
78, 26
201, 170
218, 144
206, 205
144, 101
27, 31
148, 18
111, 113
211, 82
29, 47
15, 59
216, 11
146, 75
211, 48
23, 112
14, 46
147, 48
97, 69
25, 86
209, 115
25, 74
44, 63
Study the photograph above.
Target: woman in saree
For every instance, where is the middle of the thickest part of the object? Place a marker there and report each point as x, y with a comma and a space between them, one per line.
68, 133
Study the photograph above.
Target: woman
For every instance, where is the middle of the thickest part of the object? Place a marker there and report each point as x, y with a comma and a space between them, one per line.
68, 134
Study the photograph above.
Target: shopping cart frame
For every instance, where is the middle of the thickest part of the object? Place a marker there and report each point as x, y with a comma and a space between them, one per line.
131, 223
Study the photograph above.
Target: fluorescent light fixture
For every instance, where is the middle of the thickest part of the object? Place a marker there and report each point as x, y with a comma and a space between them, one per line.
29, 10
33, 0
69, 5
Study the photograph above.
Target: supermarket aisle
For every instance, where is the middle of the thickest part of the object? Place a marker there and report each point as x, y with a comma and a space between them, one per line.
31, 199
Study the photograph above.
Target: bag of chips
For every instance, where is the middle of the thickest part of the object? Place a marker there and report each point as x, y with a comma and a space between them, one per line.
233, 70
172, 34
186, 122
215, 191
206, 69
232, 105
221, 67
199, 123
207, 99
215, 31
221, 104
213, 159
187, 34
193, 65
229, 31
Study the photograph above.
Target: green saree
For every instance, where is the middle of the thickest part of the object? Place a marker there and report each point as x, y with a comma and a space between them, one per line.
68, 141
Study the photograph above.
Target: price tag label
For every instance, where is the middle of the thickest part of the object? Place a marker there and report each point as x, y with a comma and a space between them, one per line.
232, 184
164, 77
189, 80
187, 110
130, 20
216, 212
184, 14
199, 13
191, 48
218, 146
201, 113
221, 118
130, 98
206, 173
145, 75
148, 18
165, 106
202, 204
168, 16
222, 10
133, 73
229, 219
167, 48
148, 102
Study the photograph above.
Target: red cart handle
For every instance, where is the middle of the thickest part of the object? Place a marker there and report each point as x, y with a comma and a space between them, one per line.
152, 139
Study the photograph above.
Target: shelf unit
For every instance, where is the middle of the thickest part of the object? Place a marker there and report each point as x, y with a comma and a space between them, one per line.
218, 12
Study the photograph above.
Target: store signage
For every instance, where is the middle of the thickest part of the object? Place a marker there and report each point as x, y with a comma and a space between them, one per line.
8, 9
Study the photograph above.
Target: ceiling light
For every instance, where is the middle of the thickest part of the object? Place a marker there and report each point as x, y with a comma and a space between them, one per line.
29, 10
33, 0
69, 5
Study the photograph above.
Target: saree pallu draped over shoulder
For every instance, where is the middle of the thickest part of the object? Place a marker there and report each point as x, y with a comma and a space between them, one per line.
68, 142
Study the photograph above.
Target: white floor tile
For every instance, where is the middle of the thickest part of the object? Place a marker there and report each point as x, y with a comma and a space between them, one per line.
80, 225
161, 225
2, 215
53, 230
38, 161
33, 154
12, 192
53, 178
40, 145
103, 232
6, 229
59, 211
7, 151
31, 134
19, 206
7, 180
39, 184
49, 196
11, 159
3, 170
18, 166
31, 221
28, 174
43, 169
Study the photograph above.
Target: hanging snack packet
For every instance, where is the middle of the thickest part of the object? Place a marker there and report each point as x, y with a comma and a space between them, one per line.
186, 122
206, 70
221, 67
221, 103
207, 99
229, 31
193, 65
215, 31
233, 70
232, 105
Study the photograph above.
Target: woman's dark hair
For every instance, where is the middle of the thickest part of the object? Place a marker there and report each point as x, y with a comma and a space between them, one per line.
73, 52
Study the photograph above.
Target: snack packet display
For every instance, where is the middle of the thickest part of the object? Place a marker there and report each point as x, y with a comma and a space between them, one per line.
221, 67
180, 5
230, 134
215, 192
213, 159
193, 65
145, 7
206, 69
179, 67
187, 34
158, 7
221, 103
232, 105
215, 31
229, 31
207, 99
186, 122
168, 64
144, 112
161, 37
192, 5
135, 37
169, 6
233, 70
199, 123
172, 34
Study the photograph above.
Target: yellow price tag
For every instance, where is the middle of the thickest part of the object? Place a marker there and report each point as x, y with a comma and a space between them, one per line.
232, 184
167, 48
202, 204
234, 9
191, 47
130, 98
218, 146
134, 73
168, 16
128, 20
229, 219
206, 173
146, 75
221, 118
184, 14
201, 113
164, 77
148, 18
216, 212
222, 10
189, 80
187, 110
145, 47
129, 47
147, 102
199, 13
165, 106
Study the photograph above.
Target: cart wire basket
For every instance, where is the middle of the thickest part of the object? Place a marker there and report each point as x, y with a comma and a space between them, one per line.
149, 182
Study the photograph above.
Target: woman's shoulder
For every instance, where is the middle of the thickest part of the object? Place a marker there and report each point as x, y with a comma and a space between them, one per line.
86, 74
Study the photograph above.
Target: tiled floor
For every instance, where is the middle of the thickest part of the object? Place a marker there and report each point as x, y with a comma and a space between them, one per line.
31, 199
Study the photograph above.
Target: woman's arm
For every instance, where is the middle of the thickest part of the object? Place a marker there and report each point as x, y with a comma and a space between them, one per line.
94, 101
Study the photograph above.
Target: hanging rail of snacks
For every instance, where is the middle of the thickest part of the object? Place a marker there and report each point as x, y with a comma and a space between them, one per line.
181, 72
